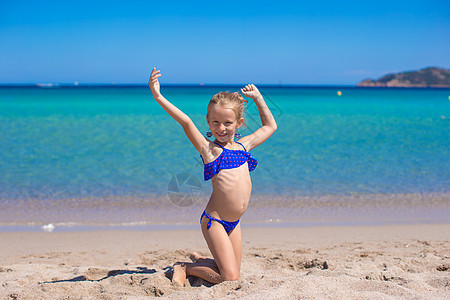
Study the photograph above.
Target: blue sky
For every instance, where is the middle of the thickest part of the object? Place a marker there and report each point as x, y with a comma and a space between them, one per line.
265, 42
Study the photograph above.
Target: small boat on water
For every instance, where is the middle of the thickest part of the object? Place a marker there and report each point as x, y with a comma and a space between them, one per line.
47, 85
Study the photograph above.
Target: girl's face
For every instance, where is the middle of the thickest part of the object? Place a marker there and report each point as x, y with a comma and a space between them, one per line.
223, 123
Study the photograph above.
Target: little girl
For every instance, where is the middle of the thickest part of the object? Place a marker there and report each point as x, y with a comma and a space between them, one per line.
227, 163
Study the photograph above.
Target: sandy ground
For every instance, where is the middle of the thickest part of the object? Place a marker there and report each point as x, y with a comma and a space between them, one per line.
380, 262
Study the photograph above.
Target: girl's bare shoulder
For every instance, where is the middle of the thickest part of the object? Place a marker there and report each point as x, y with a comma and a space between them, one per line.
245, 141
211, 152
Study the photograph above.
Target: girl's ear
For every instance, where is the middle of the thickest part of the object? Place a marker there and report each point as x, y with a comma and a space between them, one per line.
240, 122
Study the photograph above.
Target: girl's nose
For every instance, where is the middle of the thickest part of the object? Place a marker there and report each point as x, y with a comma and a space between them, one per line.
222, 127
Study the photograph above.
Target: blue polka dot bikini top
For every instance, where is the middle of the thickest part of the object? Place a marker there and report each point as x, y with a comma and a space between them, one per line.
229, 159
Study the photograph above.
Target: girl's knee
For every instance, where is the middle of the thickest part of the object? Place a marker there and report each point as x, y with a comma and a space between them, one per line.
232, 276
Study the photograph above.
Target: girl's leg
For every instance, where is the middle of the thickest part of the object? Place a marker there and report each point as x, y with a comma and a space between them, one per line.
227, 253
179, 274
221, 248
197, 258
236, 241
206, 271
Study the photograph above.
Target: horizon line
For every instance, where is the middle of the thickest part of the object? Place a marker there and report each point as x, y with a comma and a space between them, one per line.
198, 85
76, 84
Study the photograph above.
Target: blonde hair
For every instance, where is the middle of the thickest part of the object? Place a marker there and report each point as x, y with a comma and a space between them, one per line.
234, 101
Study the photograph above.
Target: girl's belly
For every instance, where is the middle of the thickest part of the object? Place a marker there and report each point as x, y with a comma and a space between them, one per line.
231, 193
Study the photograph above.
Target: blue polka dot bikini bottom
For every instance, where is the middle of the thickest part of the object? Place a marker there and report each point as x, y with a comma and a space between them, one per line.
229, 226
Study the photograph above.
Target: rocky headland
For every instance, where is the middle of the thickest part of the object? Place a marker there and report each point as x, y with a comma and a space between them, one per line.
428, 77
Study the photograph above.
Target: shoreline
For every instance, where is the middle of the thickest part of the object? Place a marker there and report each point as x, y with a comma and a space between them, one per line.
159, 213
364, 262
58, 228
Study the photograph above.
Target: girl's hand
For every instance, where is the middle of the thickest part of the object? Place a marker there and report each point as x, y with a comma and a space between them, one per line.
251, 91
153, 82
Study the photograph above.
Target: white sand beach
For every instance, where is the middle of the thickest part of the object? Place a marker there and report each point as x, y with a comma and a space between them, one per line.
377, 262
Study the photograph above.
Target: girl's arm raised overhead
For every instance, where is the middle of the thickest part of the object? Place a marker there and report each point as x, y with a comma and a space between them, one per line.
200, 142
268, 122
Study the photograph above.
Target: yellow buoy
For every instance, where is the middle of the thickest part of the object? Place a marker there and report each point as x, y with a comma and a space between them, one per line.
340, 94
448, 98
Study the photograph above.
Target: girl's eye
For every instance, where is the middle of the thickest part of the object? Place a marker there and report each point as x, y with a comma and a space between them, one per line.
227, 123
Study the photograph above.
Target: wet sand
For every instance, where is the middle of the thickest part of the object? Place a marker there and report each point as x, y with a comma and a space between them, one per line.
362, 209
363, 262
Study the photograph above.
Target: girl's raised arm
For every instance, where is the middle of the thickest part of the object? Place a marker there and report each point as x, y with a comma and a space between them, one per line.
200, 142
268, 122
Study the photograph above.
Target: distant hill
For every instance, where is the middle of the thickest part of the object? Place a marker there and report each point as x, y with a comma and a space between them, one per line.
428, 77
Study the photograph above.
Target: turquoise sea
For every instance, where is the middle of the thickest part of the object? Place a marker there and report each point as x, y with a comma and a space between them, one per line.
111, 156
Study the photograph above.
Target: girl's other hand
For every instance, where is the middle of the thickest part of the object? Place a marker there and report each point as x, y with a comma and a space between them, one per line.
251, 91
153, 83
